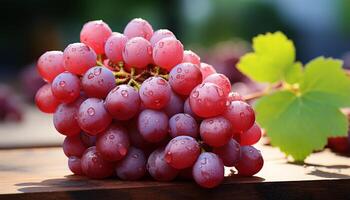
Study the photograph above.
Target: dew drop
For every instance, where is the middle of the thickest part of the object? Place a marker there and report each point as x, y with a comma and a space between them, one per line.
97, 71
161, 81
62, 83
90, 76
195, 94
161, 44
124, 93
91, 111
111, 137
179, 70
168, 157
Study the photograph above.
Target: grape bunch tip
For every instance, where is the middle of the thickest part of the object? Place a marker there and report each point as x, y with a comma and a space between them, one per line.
137, 103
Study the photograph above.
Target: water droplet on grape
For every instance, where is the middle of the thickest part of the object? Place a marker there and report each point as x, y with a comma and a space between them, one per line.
211, 121
97, 71
195, 94
124, 93
94, 159
242, 115
161, 81
90, 76
135, 156
123, 151
91, 111
149, 50
179, 70
62, 83
161, 44
168, 157
111, 137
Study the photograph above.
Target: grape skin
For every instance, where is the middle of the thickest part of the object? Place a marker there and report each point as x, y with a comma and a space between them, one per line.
133, 166
220, 80
98, 81
95, 34
138, 52
206, 70
251, 136
183, 124
160, 34
45, 100
123, 102
114, 47
65, 118
181, 152
167, 53
93, 117
94, 166
229, 153
250, 162
153, 125
184, 77
138, 28
191, 57
208, 100
188, 110
87, 139
74, 164
50, 64
158, 168
208, 170
66, 87
73, 146
241, 115
216, 131
234, 96
175, 105
78, 58
113, 144
155, 93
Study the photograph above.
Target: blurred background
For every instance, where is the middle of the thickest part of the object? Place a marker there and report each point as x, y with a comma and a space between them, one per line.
218, 30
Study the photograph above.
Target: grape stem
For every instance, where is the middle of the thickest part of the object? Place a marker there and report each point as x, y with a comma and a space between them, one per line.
266, 91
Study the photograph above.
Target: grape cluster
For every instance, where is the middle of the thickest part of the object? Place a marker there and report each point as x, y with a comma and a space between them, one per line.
137, 103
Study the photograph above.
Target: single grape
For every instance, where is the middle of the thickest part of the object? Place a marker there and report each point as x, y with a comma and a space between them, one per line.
184, 77
234, 96
45, 100
188, 110
250, 162
73, 146
175, 105
93, 118
98, 81
95, 34
160, 34
94, 166
133, 166
208, 171
114, 47
155, 93
158, 168
182, 152
229, 153
251, 136
339, 144
123, 102
191, 57
138, 28
167, 53
50, 64
74, 164
220, 80
78, 58
183, 124
241, 115
113, 144
216, 131
65, 118
153, 125
208, 100
136, 138
66, 87
206, 70
88, 140
138, 52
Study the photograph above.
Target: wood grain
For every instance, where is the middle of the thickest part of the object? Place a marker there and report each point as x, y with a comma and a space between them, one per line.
43, 174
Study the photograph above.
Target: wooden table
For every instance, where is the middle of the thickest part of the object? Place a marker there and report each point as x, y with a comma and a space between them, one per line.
42, 173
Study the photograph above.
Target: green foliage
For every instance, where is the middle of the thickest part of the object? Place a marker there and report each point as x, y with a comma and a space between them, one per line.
305, 111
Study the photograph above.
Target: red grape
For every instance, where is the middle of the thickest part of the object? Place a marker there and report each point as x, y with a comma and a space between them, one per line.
167, 53
73, 146
98, 81
153, 125
113, 144
123, 102
251, 136
216, 131
182, 152
50, 64
138, 28
191, 57
45, 100
160, 34
95, 34
74, 164
220, 80
138, 52
250, 162
183, 124
94, 166
133, 166
158, 168
65, 118
184, 77
78, 58
339, 144
175, 105
206, 70
241, 115
155, 93
234, 96
114, 47
208, 170
229, 153
208, 100
93, 118
66, 87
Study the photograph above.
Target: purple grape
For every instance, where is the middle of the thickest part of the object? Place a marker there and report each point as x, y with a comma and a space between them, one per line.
133, 166
153, 125
158, 168
183, 124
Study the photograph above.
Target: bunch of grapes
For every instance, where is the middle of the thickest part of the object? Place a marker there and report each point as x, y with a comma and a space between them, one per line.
138, 104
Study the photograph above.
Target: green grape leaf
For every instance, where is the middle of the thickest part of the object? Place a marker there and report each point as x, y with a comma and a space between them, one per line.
271, 60
300, 122
294, 74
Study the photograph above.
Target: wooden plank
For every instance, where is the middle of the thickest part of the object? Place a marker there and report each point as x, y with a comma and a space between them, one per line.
43, 173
